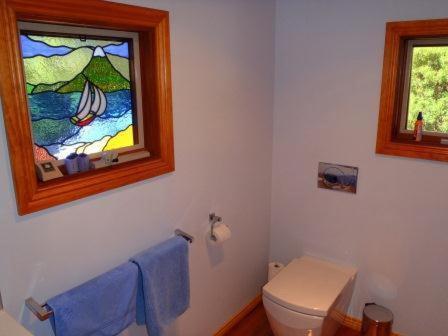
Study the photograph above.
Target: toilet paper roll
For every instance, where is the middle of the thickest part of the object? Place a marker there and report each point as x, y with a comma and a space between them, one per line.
221, 233
274, 269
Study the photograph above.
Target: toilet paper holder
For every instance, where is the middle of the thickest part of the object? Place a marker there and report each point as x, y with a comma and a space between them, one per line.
213, 220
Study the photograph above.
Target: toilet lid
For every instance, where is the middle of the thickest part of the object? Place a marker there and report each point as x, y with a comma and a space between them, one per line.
309, 285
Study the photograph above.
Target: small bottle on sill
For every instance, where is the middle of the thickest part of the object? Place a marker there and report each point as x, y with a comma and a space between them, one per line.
418, 127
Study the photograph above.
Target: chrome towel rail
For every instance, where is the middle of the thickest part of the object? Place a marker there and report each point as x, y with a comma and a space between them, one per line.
43, 311
184, 235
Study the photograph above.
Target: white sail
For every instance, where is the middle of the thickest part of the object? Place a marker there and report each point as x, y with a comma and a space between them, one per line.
102, 102
88, 109
96, 100
83, 100
85, 103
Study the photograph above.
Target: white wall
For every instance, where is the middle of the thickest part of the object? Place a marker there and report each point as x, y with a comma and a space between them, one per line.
222, 62
328, 73
327, 90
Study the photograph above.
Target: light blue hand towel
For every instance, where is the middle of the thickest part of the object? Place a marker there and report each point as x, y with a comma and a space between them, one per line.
103, 306
164, 292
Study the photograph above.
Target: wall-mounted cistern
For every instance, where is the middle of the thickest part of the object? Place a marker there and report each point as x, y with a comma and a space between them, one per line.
213, 220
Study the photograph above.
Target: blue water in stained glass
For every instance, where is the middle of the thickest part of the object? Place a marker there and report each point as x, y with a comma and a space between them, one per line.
51, 112
70, 72
53, 105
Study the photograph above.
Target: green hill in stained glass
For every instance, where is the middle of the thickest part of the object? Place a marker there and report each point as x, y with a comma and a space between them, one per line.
47, 87
79, 94
54, 69
29, 88
121, 64
101, 73
71, 42
69, 73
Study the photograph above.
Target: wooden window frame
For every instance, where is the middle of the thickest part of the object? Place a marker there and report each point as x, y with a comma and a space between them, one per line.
153, 29
390, 140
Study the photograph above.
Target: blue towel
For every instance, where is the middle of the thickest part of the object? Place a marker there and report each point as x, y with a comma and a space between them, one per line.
103, 306
164, 291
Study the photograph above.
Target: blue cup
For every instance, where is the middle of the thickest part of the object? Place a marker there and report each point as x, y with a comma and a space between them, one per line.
83, 162
71, 164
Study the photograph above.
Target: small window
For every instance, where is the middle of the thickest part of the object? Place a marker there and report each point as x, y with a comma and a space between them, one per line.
425, 90
86, 95
415, 81
83, 96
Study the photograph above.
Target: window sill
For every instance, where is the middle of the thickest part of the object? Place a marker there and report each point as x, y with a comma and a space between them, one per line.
411, 149
73, 187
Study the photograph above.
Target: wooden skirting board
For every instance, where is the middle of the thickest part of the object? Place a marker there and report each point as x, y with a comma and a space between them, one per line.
348, 321
239, 316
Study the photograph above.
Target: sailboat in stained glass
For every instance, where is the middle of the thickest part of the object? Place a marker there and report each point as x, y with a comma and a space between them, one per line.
73, 83
92, 103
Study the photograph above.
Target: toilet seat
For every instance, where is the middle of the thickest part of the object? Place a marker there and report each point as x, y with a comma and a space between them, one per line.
308, 285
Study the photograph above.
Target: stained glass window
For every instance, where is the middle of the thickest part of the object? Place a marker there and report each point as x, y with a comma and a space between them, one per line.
80, 93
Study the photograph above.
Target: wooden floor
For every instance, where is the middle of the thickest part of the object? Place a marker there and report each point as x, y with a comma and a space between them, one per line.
256, 324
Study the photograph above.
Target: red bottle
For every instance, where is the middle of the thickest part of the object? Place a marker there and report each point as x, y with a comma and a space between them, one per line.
418, 127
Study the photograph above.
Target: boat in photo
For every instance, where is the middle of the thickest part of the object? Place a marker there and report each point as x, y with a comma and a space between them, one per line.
92, 103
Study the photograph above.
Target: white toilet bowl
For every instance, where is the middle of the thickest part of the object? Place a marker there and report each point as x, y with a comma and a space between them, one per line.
309, 297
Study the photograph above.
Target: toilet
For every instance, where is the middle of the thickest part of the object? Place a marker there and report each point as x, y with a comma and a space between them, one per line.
309, 297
